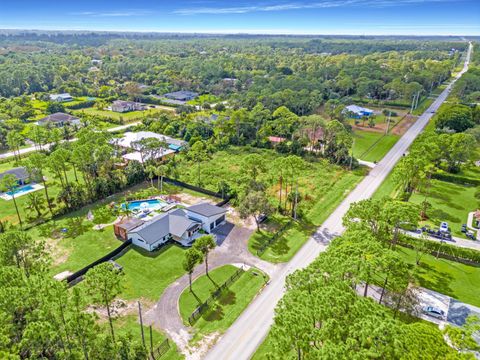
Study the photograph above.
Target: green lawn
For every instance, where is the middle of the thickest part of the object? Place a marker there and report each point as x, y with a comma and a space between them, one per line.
447, 277
130, 324
228, 306
372, 146
146, 275
450, 202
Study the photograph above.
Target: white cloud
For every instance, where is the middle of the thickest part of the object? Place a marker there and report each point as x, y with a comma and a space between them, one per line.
119, 13
296, 6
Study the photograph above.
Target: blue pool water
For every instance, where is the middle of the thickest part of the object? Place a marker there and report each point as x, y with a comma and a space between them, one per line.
150, 205
21, 190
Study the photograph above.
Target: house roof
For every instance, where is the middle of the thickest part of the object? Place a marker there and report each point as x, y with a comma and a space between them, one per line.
137, 156
182, 94
358, 109
130, 137
21, 173
174, 223
129, 223
58, 117
126, 103
276, 139
63, 96
206, 209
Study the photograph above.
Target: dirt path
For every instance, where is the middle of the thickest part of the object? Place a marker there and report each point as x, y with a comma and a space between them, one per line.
232, 249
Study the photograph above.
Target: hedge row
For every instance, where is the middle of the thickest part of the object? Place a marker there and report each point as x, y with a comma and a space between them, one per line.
462, 180
81, 105
446, 250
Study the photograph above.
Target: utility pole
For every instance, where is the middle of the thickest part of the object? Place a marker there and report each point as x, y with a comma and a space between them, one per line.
418, 98
141, 323
413, 102
388, 122
296, 202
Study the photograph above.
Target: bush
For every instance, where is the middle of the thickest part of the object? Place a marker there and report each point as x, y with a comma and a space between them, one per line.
81, 105
456, 179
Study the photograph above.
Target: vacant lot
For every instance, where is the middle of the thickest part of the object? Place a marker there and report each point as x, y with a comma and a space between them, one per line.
450, 202
128, 116
372, 146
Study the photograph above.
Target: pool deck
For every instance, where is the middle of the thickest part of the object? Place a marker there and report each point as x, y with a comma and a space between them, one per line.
35, 187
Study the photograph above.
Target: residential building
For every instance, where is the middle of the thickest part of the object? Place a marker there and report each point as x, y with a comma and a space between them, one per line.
357, 112
210, 216
20, 173
180, 225
61, 97
126, 143
181, 95
126, 106
60, 120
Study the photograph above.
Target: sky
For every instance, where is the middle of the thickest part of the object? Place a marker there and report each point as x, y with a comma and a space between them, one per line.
355, 17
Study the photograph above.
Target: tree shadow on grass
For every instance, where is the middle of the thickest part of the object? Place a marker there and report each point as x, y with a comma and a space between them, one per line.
215, 313
440, 215
431, 278
213, 281
228, 298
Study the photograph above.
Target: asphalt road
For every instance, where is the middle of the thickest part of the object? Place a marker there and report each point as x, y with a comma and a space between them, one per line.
250, 329
47, 146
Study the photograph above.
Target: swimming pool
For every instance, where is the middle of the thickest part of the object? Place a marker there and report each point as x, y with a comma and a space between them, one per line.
137, 205
21, 190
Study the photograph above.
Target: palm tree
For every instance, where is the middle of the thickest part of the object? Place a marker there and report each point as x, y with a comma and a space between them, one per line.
35, 202
10, 183
161, 171
151, 170
36, 163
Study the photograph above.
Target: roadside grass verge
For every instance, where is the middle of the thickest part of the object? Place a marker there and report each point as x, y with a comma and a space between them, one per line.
372, 146
228, 306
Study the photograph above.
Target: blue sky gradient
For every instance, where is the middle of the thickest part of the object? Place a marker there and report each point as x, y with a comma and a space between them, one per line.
356, 17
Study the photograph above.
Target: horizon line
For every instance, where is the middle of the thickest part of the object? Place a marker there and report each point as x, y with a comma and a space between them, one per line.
232, 32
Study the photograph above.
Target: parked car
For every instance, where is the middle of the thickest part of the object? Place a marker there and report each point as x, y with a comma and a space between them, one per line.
434, 312
470, 234
464, 228
262, 218
444, 226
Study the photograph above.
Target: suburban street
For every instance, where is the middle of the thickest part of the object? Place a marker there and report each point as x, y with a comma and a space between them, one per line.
250, 329
47, 146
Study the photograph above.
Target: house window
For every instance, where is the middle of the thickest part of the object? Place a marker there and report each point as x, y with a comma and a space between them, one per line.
212, 225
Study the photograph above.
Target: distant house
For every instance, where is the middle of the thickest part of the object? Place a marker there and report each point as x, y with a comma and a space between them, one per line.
181, 95
61, 97
180, 225
60, 120
126, 143
357, 112
127, 224
126, 106
20, 173
276, 139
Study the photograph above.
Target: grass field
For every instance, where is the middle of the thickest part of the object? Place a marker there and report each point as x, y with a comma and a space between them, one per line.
148, 274
450, 202
372, 146
447, 277
228, 306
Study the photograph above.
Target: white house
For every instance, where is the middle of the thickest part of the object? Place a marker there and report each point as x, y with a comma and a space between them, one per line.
126, 106
60, 120
210, 216
356, 111
61, 97
180, 225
